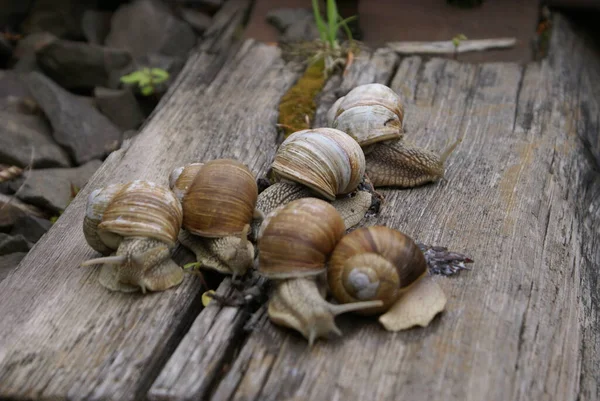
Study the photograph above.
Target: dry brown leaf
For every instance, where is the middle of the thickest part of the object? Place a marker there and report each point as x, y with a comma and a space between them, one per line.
417, 307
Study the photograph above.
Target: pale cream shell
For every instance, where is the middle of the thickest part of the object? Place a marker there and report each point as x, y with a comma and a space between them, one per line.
369, 113
324, 159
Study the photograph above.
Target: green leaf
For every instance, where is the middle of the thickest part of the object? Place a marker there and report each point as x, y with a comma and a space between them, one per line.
131, 78
332, 19
193, 265
160, 75
319, 20
344, 24
147, 90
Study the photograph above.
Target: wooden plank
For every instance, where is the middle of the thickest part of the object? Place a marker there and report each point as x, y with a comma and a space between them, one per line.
63, 336
523, 324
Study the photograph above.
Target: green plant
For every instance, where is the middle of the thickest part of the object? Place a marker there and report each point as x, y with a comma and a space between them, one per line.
146, 79
328, 31
456, 42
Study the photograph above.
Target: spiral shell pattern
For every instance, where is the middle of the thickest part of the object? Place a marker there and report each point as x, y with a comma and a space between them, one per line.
221, 199
142, 209
374, 263
297, 238
324, 159
369, 113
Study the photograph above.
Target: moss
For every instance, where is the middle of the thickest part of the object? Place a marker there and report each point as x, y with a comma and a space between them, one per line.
298, 103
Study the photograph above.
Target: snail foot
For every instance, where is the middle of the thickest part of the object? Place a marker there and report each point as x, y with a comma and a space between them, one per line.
444, 262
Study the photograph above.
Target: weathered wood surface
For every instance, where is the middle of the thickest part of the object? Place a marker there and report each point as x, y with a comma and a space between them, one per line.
63, 336
522, 197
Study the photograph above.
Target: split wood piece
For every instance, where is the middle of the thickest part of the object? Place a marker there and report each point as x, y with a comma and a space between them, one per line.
65, 336
447, 47
522, 196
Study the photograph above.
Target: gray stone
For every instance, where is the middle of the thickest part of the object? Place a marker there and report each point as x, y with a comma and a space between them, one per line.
78, 65
14, 94
283, 18
31, 227
59, 17
81, 129
197, 19
23, 136
9, 262
120, 106
26, 49
5, 51
95, 26
51, 188
10, 244
12, 12
12, 209
147, 26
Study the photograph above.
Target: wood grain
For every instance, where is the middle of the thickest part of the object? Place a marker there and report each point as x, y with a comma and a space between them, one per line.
521, 197
63, 336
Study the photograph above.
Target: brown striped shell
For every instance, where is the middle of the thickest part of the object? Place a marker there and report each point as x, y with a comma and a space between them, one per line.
324, 159
141, 209
220, 199
97, 202
297, 238
369, 113
374, 263
182, 177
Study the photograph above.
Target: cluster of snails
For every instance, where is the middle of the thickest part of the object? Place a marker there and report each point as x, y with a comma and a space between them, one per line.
297, 226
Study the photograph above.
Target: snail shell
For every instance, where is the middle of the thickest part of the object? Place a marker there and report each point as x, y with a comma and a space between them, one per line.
296, 239
324, 159
369, 113
218, 197
374, 263
139, 208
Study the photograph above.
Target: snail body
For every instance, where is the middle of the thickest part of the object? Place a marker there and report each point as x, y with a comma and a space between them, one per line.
295, 241
324, 163
136, 226
218, 200
373, 115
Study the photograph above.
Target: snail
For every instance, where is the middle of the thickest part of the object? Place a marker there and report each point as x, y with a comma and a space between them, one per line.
137, 225
294, 242
380, 263
322, 162
218, 199
373, 115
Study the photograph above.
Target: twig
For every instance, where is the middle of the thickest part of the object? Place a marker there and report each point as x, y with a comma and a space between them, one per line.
447, 47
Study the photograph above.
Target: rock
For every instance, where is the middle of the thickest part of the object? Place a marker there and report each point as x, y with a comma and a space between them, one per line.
81, 129
59, 17
120, 106
197, 19
12, 12
22, 136
26, 50
5, 51
283, 18
11, 84
147, 26
95, 25
51, 188
10, 244
31, 227
78, 65
9, 262
12, 209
